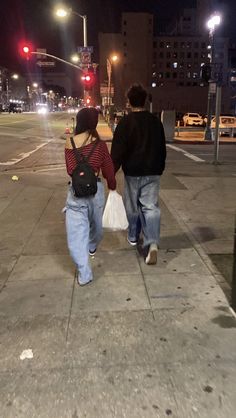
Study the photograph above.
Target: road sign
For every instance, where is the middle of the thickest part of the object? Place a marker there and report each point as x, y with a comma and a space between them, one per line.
88, 49
46, 63
85, 57
104, 91
43, 51
212, 88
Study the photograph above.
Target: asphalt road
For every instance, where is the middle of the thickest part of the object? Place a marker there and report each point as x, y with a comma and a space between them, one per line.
32, 140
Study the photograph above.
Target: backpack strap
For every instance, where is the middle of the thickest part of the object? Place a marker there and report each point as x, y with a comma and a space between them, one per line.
79, 156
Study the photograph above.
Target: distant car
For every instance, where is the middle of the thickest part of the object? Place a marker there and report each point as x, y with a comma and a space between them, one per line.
42, 109
227, 125
72, 110
14, 108
192, 119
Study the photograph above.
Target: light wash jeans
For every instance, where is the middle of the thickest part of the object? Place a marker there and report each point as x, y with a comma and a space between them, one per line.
142, 208
84, 229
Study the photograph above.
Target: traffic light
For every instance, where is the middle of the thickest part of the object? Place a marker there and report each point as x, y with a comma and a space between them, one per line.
25, 50
205, 72
88, 80
88, 101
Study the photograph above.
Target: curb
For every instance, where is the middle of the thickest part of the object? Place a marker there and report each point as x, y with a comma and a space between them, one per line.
188, 141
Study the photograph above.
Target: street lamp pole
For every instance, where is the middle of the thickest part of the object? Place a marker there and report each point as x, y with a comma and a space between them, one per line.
84, 17
109, 70
63, 13
114, 58
212, 23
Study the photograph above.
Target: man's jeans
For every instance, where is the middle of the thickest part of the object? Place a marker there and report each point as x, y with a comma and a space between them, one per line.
84, 229
142, 208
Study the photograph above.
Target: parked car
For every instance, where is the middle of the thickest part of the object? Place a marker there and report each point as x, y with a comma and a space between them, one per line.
227, 125
192, 119
13, 108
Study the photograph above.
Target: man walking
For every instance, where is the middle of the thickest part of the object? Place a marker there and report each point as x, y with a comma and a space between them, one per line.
139, 147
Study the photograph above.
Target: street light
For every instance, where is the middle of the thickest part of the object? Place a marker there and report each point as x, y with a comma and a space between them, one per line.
110, 60
75, 58
63, 13
214, 21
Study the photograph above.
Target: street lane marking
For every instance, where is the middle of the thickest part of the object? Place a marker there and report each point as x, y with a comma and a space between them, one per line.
23, 155
186, 154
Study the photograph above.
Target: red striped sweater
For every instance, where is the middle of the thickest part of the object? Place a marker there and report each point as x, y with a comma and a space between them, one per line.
100, 159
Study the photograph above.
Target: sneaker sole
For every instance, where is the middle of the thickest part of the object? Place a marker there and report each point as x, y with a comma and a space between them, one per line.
151, 257
133, 243
84, 284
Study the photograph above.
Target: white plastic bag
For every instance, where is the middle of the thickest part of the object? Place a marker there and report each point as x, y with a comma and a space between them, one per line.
114, 215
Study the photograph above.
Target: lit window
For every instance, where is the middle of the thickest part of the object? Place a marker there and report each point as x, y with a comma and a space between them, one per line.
175, 65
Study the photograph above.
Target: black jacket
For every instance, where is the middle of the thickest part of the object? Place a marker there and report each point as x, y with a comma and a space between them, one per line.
139, 145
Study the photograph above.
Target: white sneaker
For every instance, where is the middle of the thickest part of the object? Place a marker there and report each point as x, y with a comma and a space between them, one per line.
152, 254
133, 243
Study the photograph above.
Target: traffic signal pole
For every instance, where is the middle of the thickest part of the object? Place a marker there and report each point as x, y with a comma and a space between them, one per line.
57, 59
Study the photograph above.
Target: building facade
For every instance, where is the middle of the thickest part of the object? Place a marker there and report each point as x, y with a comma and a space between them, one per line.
169, 66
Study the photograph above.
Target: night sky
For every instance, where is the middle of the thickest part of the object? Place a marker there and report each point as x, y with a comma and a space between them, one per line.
33, 20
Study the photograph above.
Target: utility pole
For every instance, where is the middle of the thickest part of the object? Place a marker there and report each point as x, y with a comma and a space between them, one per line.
212, 23
218, 108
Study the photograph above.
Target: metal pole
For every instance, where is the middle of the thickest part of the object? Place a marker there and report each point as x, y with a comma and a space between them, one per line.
233, 298
109, 70
7, 90
208, 131
57, 58
218, 108
85, 30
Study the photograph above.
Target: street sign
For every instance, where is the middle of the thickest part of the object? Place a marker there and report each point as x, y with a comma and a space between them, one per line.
88, 49
43, 51
46, 63
104, 91
85, 57
212, 88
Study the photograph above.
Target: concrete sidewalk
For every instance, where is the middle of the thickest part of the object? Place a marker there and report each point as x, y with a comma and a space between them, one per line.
141, 341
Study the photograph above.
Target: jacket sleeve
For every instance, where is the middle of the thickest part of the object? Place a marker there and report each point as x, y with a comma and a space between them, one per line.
118, 148
162, 148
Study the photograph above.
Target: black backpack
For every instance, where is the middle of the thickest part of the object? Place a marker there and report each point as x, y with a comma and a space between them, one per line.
84, 180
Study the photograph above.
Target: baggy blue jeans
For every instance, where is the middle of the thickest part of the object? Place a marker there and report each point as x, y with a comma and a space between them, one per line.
142, 208
84, 229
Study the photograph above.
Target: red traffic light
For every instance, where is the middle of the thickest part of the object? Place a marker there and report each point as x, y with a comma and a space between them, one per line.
88, 80
25, 49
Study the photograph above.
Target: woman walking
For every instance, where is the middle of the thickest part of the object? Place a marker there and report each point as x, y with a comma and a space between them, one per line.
84, 214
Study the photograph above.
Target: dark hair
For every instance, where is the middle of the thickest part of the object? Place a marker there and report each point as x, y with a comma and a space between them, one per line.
137, 95
86, 120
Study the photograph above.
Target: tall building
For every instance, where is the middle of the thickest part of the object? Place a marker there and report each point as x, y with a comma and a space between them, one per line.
176, 77
134, 50
169, 66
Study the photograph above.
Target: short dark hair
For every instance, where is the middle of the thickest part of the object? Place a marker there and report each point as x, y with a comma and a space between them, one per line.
137, 95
